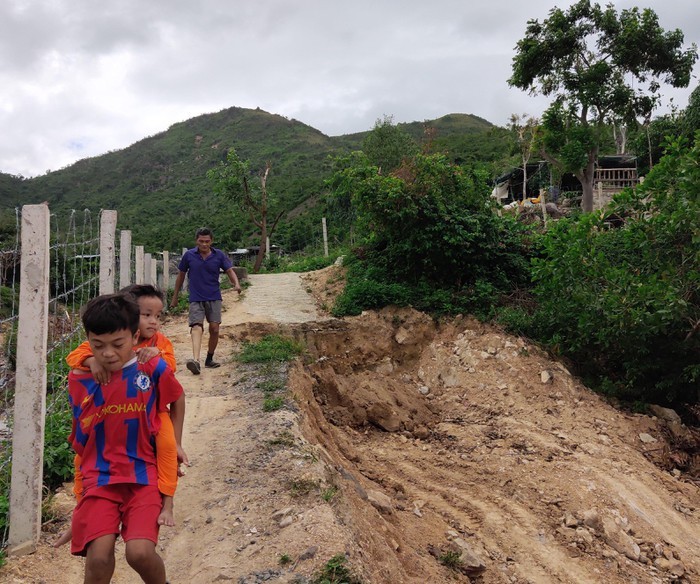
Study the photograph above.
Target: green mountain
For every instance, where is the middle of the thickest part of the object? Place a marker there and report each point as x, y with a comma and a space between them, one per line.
159, 187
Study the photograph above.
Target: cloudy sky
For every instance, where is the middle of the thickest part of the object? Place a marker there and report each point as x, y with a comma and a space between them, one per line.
79, 78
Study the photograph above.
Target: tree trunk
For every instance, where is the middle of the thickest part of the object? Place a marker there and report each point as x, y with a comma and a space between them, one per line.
261, 251
586, 178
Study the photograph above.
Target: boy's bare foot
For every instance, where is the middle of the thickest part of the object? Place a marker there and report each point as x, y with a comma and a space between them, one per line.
64, 538
167, 516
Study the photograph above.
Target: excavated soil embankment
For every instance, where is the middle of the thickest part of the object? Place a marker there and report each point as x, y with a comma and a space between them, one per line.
460, 438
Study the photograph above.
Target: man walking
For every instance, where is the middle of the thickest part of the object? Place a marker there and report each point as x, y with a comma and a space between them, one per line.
204, 264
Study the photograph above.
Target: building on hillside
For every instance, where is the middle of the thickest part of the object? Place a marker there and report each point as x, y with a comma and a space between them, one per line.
251, 252
612, 174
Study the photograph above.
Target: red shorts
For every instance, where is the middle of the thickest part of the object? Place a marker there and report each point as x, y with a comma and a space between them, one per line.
104, 509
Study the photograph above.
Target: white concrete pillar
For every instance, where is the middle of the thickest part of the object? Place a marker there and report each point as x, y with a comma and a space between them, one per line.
166, 271
147, 259
124, 258
30, 382
139, 276
108, 229
325, 237
153, 279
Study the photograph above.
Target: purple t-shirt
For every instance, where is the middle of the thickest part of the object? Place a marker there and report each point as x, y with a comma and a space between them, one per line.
203, 274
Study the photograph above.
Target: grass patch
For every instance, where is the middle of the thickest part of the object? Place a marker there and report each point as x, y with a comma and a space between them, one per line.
451, 559
270, 348
272, 385
301, 487
285, 559
284, 438
335, 571
270, 404
329, 494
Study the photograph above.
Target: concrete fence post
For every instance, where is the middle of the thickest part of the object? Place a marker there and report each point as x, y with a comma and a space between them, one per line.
153, 280
124, 258
139, 277
108, 229
325, 237
147, 268
166, 272
30, 382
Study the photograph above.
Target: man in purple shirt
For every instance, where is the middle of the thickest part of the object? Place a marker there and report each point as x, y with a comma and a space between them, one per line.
204, 264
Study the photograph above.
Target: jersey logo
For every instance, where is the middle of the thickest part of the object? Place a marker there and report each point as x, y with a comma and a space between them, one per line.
143, 381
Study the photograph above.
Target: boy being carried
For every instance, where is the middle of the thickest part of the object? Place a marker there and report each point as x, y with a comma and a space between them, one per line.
114, 425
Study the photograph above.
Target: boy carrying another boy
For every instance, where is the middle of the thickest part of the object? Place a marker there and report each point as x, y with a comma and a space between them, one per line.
114, 425
152, 343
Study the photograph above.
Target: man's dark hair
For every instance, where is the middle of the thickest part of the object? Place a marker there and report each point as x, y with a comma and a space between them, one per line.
204, 231
143, 291
110, 313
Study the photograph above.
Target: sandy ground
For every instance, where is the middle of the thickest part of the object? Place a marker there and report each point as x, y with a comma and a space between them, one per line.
425, 452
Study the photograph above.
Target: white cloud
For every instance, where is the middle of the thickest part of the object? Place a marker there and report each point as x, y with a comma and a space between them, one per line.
80, 78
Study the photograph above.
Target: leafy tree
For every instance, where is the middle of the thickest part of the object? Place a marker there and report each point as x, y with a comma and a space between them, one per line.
649, 140
231, 180
597, 65
387, 145
691, 116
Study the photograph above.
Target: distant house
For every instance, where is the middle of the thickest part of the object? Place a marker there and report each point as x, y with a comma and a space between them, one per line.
249, 253
612, 174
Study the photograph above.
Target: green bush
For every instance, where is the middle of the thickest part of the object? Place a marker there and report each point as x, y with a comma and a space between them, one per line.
432, 238
58, 453
305, 263
623, 303
335, 571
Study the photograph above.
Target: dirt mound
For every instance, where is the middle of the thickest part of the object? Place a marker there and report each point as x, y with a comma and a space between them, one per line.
459, 437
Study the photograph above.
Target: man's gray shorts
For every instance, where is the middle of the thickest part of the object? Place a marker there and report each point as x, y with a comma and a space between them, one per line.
211, 310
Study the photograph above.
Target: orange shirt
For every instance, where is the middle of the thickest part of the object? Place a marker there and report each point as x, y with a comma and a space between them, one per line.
77, 357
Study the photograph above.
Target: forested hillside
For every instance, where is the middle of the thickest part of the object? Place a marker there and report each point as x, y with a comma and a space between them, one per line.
159, 186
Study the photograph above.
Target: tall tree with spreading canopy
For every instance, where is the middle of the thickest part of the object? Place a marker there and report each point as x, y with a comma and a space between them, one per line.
597, 64
231, 180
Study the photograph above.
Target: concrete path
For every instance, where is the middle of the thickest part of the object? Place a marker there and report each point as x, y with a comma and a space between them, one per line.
279, 298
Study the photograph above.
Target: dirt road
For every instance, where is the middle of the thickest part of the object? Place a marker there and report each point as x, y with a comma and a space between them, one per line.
424, 452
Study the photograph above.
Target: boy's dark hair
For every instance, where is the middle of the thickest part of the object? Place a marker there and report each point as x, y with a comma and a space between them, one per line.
204, 231
110, 313
143, 291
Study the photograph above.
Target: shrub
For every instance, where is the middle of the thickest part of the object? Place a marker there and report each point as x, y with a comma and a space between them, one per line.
335, 571
624, 304
432, 238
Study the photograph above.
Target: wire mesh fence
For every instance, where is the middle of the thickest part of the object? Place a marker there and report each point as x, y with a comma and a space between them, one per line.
74, 277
